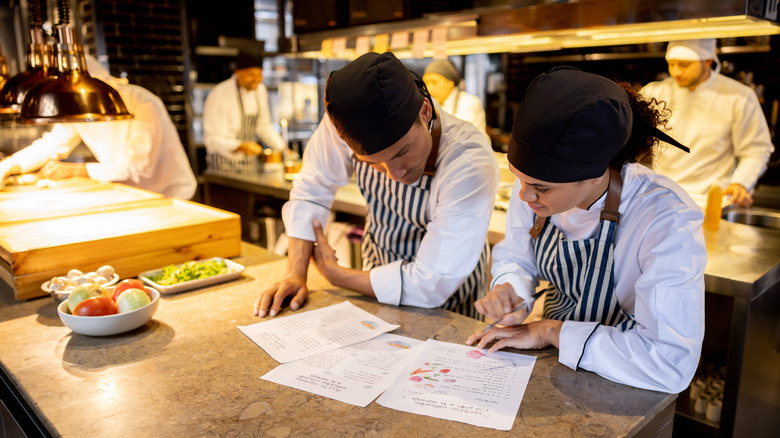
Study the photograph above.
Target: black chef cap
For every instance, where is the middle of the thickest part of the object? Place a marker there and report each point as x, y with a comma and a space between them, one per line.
373, 101
570, 126
249, 58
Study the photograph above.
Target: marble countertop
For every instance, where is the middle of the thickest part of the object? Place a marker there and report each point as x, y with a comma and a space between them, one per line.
191, 372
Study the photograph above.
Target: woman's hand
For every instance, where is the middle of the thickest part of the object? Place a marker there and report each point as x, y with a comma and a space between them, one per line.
499, 302
531, 336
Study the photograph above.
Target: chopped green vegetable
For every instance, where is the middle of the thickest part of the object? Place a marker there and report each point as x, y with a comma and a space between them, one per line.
173, 274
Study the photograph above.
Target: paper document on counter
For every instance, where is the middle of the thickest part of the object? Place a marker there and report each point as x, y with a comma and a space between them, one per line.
460, 383
312, 332
356, 374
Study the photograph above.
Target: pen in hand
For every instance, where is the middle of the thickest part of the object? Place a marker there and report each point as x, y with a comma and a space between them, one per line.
498, 321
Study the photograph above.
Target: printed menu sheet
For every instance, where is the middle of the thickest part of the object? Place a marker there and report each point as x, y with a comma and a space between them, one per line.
460, 383
355, 374
315, 331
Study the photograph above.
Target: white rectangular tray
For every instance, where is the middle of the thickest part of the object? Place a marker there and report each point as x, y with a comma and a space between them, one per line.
234, 271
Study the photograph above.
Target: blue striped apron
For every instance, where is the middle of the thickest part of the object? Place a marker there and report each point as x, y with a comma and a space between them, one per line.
581, 272
396, 223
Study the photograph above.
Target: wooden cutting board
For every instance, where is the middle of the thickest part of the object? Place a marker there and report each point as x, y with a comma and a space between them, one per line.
134, 237
47, 204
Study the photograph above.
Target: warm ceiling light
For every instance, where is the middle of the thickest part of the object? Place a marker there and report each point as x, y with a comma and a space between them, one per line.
39, 64
74, 95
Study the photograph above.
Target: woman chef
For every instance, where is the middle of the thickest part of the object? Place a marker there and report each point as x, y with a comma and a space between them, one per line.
621, 246
429, 181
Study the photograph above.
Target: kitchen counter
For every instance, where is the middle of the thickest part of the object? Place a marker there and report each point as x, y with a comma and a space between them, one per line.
236, 192
191, 372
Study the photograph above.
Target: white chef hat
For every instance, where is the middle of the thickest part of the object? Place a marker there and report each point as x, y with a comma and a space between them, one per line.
691, 50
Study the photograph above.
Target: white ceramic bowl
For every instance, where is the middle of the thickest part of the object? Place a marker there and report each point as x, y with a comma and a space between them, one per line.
109, 324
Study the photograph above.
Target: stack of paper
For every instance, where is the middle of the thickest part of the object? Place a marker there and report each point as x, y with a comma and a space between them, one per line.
345, 353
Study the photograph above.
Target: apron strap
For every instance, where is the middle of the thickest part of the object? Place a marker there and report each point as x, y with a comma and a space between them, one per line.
430, 165
537, 228
609, 212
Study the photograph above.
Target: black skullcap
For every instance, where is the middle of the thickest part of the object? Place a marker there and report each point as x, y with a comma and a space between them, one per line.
373, 101
249, 58
445, 68
570, 126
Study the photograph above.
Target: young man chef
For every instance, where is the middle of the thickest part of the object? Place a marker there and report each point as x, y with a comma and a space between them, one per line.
428, 178
719, 118
236, 116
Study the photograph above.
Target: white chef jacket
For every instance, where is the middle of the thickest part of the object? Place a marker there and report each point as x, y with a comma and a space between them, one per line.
466, 107
222, 118
144, 152
723, 124
659, 262
463, 192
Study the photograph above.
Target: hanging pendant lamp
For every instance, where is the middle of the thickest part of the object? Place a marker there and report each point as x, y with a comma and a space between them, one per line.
40, 62
74, 95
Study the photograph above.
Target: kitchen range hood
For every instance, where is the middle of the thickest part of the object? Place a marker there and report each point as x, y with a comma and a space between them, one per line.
544, 25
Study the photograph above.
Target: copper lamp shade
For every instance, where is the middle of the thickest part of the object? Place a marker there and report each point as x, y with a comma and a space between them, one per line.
74, 95
39, 62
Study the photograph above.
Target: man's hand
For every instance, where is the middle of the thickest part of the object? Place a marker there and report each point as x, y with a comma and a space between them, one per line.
739, 195
273, 297
531, 336
57, 170
324, 256
292, 285
250, 148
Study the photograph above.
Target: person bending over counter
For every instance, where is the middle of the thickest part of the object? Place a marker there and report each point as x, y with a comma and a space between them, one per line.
620, 245
144, 152
429, 180
719, 118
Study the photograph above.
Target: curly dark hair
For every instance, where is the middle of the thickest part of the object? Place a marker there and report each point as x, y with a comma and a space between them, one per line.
641, 146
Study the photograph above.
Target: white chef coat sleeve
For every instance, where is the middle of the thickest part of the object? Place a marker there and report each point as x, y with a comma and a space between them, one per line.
662, 352
513, 257
752, 142
327, 165
220, 120
455, 236
265, 130
56, 144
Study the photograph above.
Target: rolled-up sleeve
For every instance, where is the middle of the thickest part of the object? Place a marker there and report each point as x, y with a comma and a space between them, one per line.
327, 165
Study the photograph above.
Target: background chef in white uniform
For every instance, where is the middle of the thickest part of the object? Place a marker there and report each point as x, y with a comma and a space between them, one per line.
429, 180
621, 245
236, 115
719, 118
443, 82
144, 152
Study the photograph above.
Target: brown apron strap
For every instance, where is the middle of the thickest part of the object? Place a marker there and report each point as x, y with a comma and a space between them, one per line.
430, 165
610, 211
537, 228
611, 205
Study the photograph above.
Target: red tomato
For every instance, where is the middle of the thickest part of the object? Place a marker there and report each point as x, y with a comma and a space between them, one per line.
95, 306
130, 283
